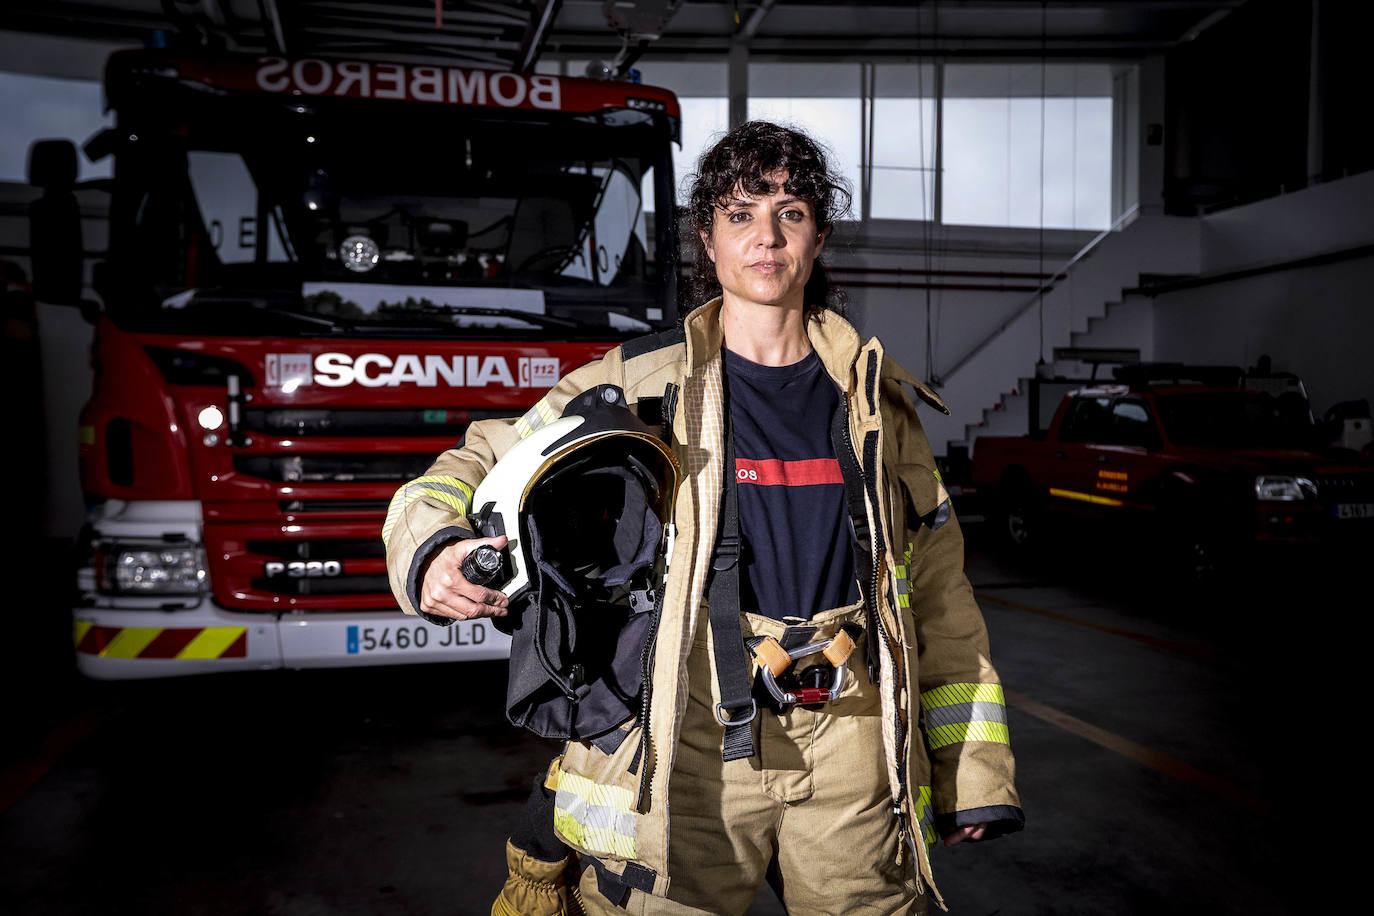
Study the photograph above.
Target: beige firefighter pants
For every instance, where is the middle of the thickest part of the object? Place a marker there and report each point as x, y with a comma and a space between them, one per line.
810, 813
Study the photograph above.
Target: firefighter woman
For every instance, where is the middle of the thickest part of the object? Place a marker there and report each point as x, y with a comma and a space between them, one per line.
821, 707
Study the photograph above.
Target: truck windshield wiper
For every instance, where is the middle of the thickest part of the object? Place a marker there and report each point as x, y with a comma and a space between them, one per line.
449, 311
268, 304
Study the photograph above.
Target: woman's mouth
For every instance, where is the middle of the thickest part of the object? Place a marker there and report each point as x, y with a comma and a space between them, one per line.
767, 267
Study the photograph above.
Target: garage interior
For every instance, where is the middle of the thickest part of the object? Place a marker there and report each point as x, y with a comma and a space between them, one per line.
1119, 198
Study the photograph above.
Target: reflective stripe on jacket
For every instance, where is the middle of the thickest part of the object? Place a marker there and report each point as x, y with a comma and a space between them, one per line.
936, 677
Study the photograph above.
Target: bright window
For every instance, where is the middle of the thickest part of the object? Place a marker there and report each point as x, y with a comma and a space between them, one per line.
821, 99
704, 120
701, 90
904, 133
1010, 131
834, 122
45, 108
903, 159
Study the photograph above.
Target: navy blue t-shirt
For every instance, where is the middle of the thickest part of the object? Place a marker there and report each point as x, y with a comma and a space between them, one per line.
798, 559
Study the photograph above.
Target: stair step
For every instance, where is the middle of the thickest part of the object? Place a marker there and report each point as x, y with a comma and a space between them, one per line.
1110, 289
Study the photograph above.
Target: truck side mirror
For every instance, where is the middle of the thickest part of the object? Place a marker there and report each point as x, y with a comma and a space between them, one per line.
56, 248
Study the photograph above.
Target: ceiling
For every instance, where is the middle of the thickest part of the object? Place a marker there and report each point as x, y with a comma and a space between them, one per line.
515, 33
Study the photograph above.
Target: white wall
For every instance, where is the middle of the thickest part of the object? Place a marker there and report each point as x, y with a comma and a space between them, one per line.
960, 318
1317, 321
52, 55
64, 340
1316, 220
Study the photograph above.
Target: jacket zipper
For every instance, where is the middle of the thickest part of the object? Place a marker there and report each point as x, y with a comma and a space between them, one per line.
646, 658
646, 665
872, 599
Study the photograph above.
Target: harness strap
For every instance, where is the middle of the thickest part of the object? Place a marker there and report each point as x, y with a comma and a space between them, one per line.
616, 888
737, 707
862, 537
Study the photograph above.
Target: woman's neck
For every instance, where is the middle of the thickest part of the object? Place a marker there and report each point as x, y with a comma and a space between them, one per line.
770, 335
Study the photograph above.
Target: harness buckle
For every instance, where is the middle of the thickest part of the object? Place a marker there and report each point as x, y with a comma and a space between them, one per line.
753, 711
727, 553
774, 660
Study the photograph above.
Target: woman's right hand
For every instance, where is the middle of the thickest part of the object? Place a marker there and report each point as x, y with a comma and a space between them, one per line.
445, 592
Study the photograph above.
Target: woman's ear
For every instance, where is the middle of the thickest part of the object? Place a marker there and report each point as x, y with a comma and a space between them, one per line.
706, 244
821, 239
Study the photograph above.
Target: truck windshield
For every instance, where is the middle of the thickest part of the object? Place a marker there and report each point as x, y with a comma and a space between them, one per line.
365, 217
1236, 419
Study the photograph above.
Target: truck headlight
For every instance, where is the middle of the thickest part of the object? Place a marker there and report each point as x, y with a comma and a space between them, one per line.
151, 570
1284, 489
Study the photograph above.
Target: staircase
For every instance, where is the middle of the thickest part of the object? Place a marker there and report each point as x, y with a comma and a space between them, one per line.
1085, 306
1125, 324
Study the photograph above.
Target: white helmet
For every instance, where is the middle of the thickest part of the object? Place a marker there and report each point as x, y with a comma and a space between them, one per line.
600, 482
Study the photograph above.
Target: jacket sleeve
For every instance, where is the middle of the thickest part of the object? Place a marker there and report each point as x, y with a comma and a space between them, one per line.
431, 511
963, 714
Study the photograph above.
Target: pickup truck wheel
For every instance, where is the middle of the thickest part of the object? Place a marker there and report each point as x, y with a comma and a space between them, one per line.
1018, 525
1197, 540
1199, 559
1019, 520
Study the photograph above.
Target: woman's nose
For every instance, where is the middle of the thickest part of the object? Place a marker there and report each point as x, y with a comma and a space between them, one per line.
769, 232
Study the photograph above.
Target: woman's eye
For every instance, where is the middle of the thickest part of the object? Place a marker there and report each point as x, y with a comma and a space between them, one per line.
738, 216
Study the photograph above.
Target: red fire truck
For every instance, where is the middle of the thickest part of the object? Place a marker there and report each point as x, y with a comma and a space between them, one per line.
319, 273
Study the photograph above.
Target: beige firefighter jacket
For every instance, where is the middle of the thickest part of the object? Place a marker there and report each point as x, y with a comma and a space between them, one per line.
945, 736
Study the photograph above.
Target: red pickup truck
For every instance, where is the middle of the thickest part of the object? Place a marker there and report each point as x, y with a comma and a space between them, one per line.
1205, 469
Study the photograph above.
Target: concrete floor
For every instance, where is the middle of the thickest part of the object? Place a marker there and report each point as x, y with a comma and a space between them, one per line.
1173, 745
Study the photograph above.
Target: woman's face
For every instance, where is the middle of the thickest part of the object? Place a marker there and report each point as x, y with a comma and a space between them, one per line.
764, 247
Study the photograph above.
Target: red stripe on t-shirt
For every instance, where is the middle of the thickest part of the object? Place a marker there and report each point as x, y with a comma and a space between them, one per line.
774, 472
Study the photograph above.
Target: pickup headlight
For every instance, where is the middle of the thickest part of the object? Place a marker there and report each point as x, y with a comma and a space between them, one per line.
1284, 489
151, 569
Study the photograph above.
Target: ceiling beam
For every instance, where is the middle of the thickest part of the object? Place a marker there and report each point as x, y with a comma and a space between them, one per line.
272, 27
891, 45
392, 12
755, 20
532, 44
432, 38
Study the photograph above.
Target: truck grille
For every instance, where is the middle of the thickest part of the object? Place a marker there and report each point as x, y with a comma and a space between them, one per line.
1344, 488
349, 585
297, 524
333, 468
324, 566
331, 549
350, 506
291, 421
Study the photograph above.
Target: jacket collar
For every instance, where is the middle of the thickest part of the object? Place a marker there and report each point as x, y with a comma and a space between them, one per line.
704, 334
834, 340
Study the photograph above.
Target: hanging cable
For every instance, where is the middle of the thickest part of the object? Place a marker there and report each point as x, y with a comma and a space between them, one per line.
939, 248
1040, 304
923, 175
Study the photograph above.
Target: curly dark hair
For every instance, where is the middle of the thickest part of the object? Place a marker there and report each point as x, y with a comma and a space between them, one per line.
742, 159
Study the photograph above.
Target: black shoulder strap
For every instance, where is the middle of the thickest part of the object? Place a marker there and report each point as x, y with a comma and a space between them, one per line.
640, 346
854, 486
737, 707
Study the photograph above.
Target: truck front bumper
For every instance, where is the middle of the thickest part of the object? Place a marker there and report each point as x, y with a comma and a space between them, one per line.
121, 643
